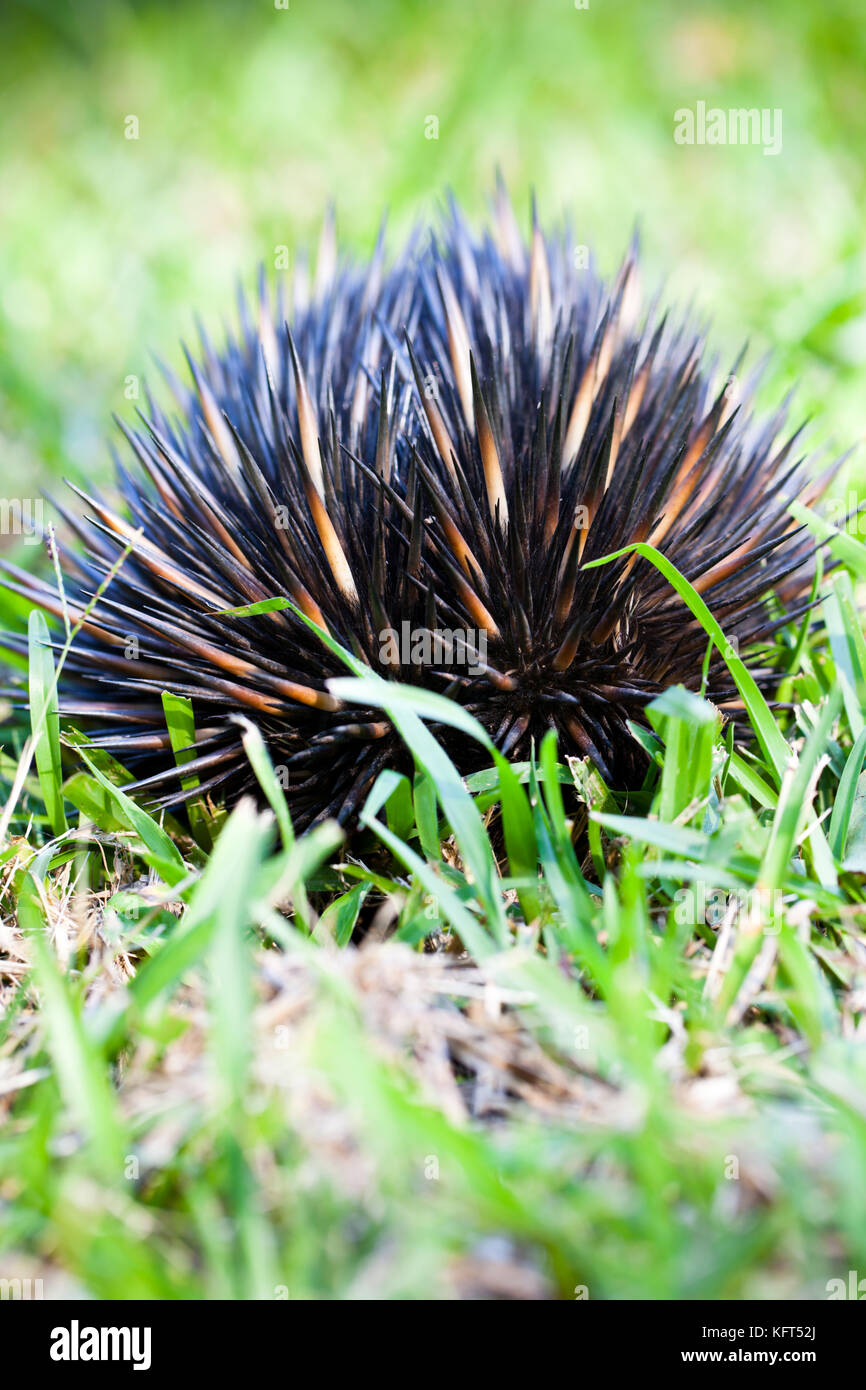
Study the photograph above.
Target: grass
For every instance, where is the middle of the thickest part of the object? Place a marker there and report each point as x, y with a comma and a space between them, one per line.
615, 1051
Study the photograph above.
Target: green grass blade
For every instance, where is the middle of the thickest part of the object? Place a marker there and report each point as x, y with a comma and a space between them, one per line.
341, 916
405, 705
769, 735
840, 818
469, 929
180, 722
843, 546
160, 850
78, 1061
260, 761
794, 800
45, 719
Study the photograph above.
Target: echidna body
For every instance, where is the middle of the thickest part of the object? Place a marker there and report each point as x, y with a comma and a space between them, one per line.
442, 446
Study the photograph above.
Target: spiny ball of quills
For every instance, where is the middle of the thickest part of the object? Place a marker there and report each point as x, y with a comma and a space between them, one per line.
435, 448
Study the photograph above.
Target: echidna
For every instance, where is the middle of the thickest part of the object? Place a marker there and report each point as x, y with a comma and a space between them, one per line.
440, 447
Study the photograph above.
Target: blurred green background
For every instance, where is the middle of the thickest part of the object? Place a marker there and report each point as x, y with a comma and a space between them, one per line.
251, 117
